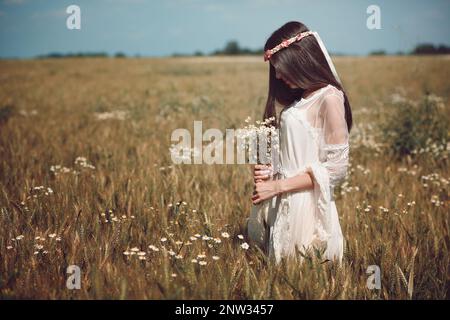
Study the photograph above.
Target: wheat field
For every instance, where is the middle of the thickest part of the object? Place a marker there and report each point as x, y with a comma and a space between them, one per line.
86, 179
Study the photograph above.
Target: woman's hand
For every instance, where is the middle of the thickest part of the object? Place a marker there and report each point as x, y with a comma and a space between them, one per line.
262, 172
265, 190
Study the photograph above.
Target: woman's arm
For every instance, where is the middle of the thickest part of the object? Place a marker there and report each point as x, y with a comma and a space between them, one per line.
326, 173
300, 182
268, 189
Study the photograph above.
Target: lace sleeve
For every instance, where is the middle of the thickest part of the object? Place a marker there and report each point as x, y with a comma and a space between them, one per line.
332, 166
334, 148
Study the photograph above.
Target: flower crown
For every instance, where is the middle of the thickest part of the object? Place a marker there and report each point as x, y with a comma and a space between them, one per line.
285, 44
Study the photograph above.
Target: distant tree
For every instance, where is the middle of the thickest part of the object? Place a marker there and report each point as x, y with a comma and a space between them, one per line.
52, 55
443, 49
378, 53
259, 51
73, 55
428, 48
216, 52
120, 55
424, 48
231, 48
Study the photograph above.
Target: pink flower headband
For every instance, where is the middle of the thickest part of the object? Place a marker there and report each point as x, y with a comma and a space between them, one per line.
285, 44
298, 37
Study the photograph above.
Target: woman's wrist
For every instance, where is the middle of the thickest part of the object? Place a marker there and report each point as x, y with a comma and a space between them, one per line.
281, 186
298, 183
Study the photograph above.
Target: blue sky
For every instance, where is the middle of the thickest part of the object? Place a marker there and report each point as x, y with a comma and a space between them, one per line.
162, 27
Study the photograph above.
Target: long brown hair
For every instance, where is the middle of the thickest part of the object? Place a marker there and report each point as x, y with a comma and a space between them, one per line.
302, 64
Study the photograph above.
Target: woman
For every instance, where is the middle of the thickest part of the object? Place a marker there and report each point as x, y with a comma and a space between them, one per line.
294, 210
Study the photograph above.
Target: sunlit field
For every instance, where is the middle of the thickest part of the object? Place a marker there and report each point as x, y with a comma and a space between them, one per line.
86, 179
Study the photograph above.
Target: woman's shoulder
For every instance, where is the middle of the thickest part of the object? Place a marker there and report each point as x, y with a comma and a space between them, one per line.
331, 90
332, 98
317, 97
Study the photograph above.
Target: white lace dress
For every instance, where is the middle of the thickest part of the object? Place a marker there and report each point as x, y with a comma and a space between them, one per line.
313, 138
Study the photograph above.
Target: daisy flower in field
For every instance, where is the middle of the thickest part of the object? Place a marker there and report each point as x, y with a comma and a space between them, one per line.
245, 246
203, 263
83, 162
225, 235
240, 236
215, 257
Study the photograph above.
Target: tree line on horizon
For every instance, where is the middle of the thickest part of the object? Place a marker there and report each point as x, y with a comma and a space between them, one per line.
233, 48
